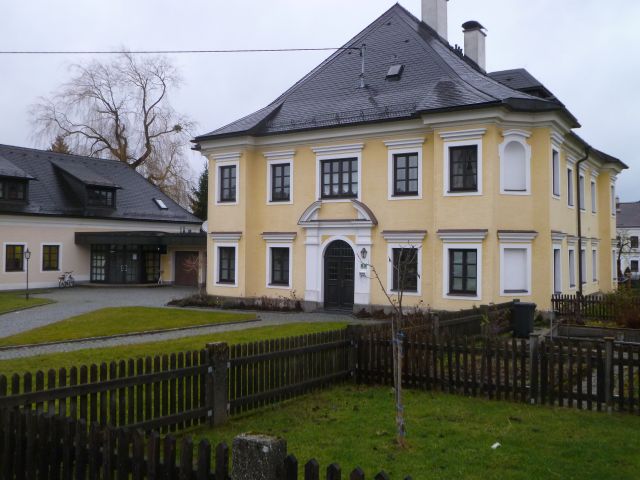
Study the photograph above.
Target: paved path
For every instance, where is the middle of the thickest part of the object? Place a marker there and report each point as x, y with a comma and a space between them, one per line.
266, 319
74, 301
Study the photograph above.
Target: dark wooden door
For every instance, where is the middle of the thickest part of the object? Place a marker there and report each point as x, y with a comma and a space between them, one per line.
186, 269
339, 266
124, 264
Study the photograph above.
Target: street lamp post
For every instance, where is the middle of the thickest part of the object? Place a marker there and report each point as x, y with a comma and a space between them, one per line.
27, 256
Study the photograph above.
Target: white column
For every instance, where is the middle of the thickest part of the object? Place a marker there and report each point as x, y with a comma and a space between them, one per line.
313, 262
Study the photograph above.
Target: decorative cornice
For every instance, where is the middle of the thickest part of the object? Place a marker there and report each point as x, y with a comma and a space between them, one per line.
463, 134
595, 241
226, 236
572, 239
517, 236
558, 236
516, 132
462, 235
614, 242
365, 216
404, 236
557, 139
333, 149
279, 155
407, 143
279, 236
571, 160
226, 157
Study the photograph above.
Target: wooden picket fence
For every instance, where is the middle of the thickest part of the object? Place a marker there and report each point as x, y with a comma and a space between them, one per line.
598, 307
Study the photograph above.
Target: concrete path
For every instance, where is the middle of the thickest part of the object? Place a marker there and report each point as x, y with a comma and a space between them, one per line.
75, 301
266, 319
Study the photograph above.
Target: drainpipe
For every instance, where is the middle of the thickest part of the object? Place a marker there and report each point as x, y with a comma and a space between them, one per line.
579, 210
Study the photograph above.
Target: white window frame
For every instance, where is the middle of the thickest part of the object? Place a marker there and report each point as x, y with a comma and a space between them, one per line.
613, 199
556, 175
279, 158
445, 270
288, 246
390, 247
226, 160
572, 271
4, 257
517, 136
571, 192
51, 244
582, 194
518, 246
583, 265
216, 269
399, 147
594, 264
462, 138
558, 272
594, 195
336, 153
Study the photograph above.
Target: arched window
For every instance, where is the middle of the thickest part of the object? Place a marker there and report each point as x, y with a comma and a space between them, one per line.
515, 156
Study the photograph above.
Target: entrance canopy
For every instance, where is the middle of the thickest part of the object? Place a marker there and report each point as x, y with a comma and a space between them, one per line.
141, 238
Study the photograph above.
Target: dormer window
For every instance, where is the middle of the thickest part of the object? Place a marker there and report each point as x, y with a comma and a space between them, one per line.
101, 197
13, 190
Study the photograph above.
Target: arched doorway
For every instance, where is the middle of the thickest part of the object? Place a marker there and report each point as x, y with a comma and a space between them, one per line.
339, 266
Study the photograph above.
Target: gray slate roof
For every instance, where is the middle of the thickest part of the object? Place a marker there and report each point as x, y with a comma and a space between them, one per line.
51, 195
435, 78
628, 215
520, 79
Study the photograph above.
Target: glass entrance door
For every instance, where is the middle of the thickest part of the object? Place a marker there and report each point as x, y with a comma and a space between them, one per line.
124, 264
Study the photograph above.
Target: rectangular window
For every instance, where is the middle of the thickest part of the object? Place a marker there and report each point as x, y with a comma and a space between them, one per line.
50, 258
557, 271
463, 271
581, 192
634, 266
14, 258
463, 169
226, 264
405, 269
99, 263
572, 268
556, 172
594, 265
634, 242
15, 190
613, 200
151, 263
279, 266
101, 197
614, 265
405, 174
583, 265
280, 182
593, 197
227, 183
515, 270
339, 178
570, 187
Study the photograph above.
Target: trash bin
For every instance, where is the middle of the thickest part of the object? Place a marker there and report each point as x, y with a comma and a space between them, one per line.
522, 316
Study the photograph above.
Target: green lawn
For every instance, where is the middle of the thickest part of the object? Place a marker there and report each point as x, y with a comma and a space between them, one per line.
448, 436
12, 301
119, 320
98, 355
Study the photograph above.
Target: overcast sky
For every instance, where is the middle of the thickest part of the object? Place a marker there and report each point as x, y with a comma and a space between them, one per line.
585, 51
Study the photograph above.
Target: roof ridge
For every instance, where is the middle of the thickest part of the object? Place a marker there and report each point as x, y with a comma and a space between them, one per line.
58, 154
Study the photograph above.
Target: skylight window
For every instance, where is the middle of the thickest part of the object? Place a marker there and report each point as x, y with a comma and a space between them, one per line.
161, 205
395, 71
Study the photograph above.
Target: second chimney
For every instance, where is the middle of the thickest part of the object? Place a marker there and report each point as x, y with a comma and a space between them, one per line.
434, 14
474, 42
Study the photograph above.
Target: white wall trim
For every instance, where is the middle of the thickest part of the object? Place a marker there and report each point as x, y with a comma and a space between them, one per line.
338, 149
558, 237
516, 136
225, 236
280, 155
517, 237
408, 237
462, 235
515, 246
46, 221
288, 246
406, 143
398, 147
279, 236
407, 245
445, 270
461, 143
218, 165
557, 139
216, 269
226, 157
270, 164
470, 134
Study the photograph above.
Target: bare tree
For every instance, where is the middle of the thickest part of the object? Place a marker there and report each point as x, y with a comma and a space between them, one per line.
404, 273
120, 109
623, 247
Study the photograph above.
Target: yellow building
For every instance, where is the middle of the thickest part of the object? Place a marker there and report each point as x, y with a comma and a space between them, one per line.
400, 150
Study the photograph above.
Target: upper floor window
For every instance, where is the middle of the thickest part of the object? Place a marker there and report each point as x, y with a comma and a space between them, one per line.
463, 168
581, 193
570, 187
14, 258
280, 182
50, 258
555, 166
227, 183
594, 201
613, 200
339, 178
11, 189
405, 174
101, 197
634, 242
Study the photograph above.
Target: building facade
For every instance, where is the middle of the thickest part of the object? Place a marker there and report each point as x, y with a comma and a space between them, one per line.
424, 174
97, 218
628, 224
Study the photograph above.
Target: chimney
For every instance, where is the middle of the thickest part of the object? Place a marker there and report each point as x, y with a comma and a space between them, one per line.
434, 14
474, 43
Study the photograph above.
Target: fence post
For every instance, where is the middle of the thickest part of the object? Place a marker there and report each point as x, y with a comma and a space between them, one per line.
258, 456
533, 367
217, 389
608, 373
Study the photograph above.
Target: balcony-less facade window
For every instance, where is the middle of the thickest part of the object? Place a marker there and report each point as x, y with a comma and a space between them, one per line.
463, 271
101, 197
463, 168
634, 266
227, 183
14, 258
572, 268
339, 178
405, 269
279, 266
405, 174
280, 182
556, 172
15, 190
570, 187
594, 201
634, 242
50, 258
99, 263
226, 265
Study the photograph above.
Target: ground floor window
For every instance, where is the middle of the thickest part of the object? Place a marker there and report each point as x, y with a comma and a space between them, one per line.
634, 266
463, 271
226, 264
594, 264
405, 269
557, 271
14, 258
572, 268
151, 263
279, 266
50, 258
515, 270
98, 263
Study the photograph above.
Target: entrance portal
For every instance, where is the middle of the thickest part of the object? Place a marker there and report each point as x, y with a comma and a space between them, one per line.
339, 266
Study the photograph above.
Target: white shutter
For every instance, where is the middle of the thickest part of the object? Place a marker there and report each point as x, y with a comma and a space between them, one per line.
515, 167
515, 270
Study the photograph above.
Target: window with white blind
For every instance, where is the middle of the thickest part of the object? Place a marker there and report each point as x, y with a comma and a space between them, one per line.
594, 202
555, 166
557, 271
515, 277
583, 265
514, 168
572, 268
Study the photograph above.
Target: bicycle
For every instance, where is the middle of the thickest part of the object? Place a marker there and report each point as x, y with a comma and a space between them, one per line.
66, 280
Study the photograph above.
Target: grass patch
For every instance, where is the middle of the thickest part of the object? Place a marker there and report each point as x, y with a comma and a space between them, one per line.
448, 436
10, 302
98, 355
121, 320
